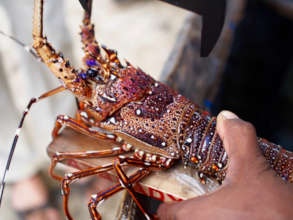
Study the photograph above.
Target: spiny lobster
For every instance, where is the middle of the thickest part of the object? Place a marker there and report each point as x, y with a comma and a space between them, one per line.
122, 104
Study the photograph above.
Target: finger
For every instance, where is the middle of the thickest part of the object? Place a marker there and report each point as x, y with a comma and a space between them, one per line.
180, 210
240, 142
166, 211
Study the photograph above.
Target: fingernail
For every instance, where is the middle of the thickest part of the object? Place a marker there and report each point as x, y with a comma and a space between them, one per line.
228, 115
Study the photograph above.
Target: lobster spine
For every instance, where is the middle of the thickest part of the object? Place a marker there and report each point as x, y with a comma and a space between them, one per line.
203, 149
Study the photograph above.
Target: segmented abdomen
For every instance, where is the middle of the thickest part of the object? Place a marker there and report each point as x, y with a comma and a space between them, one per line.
203, 149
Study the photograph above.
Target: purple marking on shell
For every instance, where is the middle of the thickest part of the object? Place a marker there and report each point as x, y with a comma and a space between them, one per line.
91, 62
82, 75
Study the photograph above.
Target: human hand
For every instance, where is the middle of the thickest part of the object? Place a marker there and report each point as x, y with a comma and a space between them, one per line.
251, 189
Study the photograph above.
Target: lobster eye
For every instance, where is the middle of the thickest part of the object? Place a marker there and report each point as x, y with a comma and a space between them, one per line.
92, 73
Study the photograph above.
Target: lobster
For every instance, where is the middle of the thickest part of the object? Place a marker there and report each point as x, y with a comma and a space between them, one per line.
121, 104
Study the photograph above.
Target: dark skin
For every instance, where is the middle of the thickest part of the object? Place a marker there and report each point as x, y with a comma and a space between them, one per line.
251, 189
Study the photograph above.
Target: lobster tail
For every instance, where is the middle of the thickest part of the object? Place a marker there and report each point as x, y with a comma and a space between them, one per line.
203, 149
280, 160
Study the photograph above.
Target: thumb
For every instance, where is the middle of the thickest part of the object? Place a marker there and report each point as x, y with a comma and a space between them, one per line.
240, 142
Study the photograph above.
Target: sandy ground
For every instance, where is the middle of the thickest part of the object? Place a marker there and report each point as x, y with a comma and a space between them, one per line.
144, 32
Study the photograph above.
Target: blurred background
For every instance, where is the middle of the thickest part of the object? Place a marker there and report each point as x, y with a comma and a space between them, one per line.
250, 71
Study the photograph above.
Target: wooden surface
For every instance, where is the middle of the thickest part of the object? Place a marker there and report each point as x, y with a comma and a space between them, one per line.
177, 183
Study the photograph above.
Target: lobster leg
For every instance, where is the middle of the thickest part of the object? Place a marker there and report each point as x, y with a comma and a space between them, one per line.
69, 177
125, 181
80, 108
64, 120
31, 102
57, 157
99, 197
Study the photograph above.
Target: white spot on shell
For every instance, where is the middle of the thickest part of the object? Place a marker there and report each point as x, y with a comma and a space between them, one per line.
147, 163
113, 120
189, 140
138, 112
141, 153
220, 165
116, 148
140, 130
84, 114
127, 147
163, 144
112, 77
60, 60
66, 117
154, 158
111, 136
112, 99
156, 84
152, 137
119, 139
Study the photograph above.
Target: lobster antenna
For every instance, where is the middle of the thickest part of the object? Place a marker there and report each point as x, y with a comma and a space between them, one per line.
30, 50
13, 147
20, 43
24, 114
